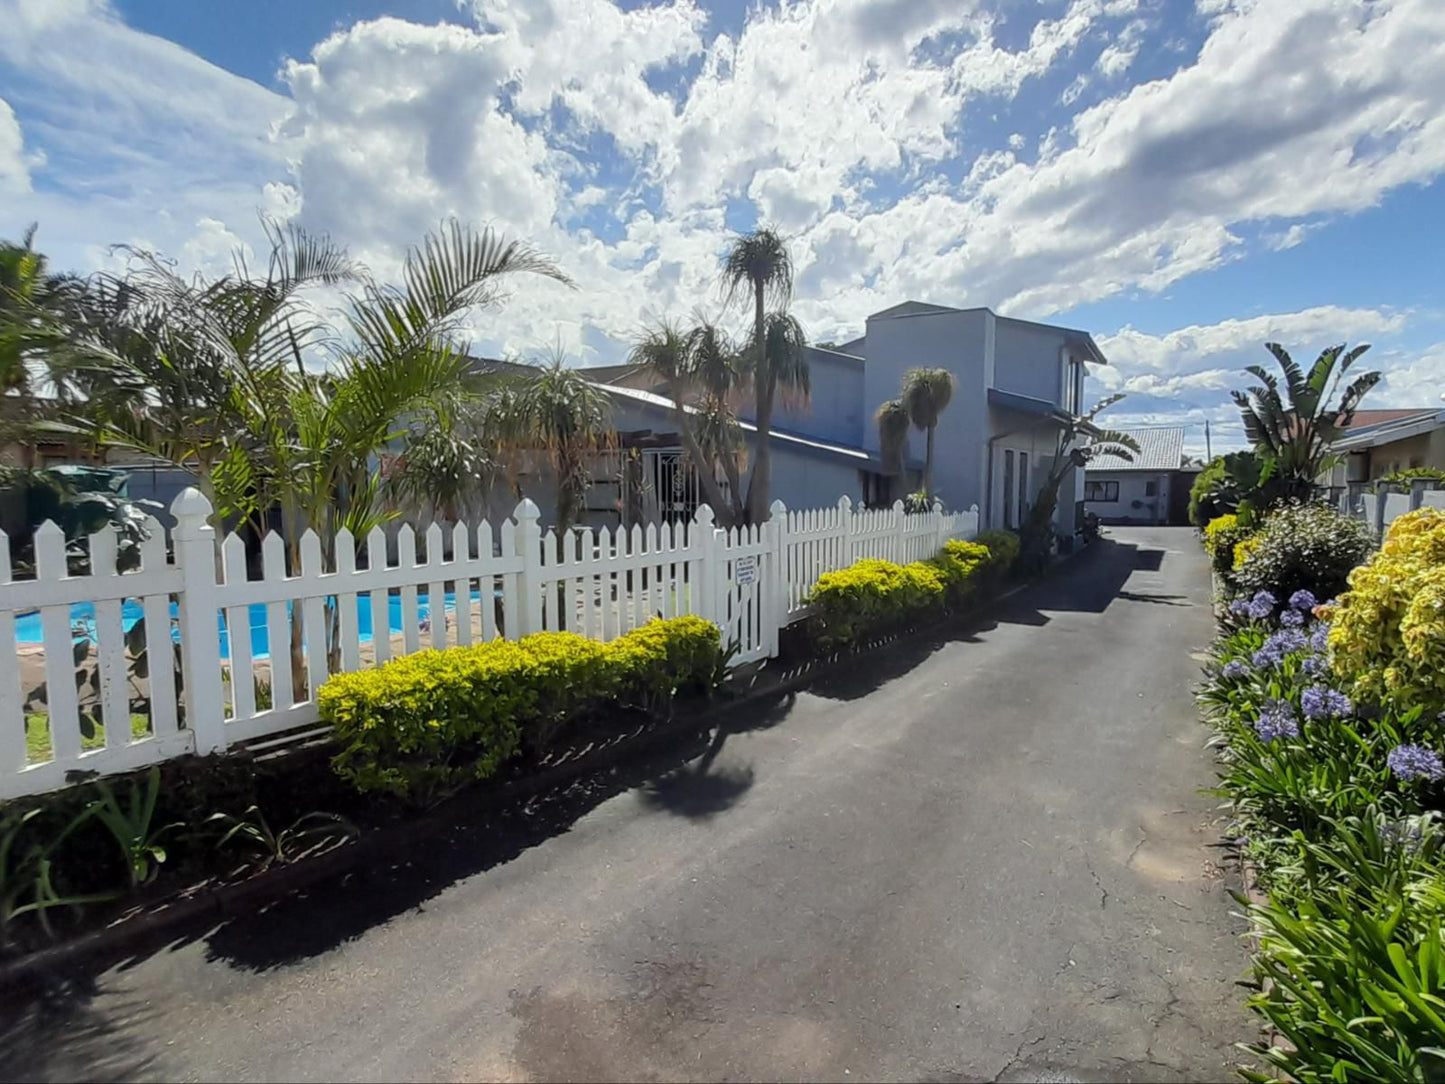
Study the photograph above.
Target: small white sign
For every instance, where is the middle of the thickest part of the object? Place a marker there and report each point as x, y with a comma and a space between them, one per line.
745, 570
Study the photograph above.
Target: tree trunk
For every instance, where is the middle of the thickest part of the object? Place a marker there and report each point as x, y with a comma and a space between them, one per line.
707, 478
928, 463
760, 484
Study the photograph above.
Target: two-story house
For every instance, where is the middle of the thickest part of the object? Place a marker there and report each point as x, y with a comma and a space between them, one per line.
1017, 381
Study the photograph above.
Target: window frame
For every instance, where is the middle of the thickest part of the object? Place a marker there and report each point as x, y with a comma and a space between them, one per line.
1107, 486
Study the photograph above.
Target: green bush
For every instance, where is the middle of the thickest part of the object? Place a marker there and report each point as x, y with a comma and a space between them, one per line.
872, 596
418, 725
1308, 547
1335, 803
1204, 495
1003, 547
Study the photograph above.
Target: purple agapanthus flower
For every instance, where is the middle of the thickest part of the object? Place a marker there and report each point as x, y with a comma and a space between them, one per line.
1277, 720
1239, 607
1280, 644
1315, 665
1303, 601
1235, 669
1322, 702
1320, 638
1410, 762
1292, 619
1262, 605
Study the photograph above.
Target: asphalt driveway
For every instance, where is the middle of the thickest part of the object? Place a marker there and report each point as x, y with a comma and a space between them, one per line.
982, 857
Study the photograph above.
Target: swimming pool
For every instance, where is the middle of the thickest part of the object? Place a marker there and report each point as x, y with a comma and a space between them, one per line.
82, 620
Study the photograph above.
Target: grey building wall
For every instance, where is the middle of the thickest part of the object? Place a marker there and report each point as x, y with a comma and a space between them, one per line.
1028, 361
962, 343
835, 410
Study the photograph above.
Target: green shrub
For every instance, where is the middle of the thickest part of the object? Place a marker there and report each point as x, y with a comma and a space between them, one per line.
961, 566
872, 596
663, 658
1355, 971
1308, 547
418, 725
1003, 548
1204, 495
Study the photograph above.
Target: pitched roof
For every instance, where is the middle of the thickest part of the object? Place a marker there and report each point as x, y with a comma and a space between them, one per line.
1365, 418
1160, 449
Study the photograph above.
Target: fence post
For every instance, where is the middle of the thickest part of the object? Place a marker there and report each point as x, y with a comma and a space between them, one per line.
1382, 491
845, 522
1417, 492
776, 592
900, 536
973, 522
707, 570
529, 583
198, 605
942, 534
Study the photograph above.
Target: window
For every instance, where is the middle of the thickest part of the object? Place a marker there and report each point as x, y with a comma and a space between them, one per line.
1151, 489
1073, 385
1101, 491
1008, 488
1023, 486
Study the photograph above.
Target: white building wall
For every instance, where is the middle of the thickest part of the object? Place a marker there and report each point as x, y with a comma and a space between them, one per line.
1134, 504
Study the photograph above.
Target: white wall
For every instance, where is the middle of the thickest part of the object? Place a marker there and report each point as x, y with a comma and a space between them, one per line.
1133, 486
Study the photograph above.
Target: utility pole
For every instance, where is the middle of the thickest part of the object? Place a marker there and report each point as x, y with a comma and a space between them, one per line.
1209, 448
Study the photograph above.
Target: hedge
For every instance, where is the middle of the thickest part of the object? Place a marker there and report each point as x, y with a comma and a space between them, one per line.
425, 722
873, 596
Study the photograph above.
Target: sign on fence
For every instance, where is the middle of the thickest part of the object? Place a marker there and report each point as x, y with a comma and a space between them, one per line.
745, 570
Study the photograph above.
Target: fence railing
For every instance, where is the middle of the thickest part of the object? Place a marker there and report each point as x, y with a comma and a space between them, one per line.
1388, 503
205, 649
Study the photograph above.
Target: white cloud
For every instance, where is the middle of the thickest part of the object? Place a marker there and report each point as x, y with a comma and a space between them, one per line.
14, 167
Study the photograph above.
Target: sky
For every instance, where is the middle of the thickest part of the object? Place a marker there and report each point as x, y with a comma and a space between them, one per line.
1184, 179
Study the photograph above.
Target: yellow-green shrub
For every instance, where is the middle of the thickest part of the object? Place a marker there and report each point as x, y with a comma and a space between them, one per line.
1221, 536
1388, 632
428, 721
873, 596
961, 566
1243, 548
1003, 549
663, 658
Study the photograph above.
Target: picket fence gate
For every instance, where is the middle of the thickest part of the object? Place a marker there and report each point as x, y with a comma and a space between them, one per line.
217, 658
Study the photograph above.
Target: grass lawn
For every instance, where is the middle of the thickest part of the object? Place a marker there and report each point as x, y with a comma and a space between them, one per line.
37, 735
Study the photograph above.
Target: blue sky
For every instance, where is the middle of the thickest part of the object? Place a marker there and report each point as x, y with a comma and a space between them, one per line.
1186, 180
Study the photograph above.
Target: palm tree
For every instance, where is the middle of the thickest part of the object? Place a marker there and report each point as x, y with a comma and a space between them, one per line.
700, 369
893, 425
1296, 437
566, 418
217, 376
759, 263
926, 394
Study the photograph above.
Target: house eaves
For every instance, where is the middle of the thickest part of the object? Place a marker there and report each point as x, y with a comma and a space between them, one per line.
1389, 432
860, 457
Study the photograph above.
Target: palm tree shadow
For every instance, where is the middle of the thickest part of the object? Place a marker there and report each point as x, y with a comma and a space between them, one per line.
698, 790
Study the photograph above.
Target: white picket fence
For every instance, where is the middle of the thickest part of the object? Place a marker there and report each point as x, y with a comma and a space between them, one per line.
234, 635
1387, 504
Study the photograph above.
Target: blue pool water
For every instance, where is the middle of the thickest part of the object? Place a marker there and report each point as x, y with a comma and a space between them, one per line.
82, 619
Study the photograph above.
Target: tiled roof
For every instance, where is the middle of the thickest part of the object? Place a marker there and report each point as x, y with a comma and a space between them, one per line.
1160, 448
